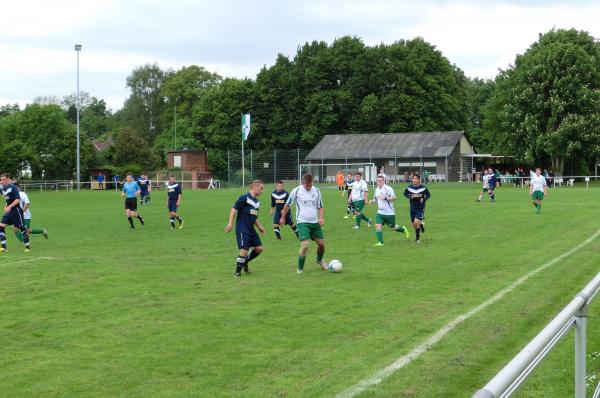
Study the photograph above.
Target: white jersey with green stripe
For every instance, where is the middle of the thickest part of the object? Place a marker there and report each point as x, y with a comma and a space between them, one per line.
384, 206
358, 190
308, 203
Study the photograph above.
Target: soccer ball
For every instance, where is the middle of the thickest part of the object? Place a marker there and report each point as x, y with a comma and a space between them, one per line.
335, 266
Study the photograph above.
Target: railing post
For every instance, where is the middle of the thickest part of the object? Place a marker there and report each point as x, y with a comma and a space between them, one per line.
580, 352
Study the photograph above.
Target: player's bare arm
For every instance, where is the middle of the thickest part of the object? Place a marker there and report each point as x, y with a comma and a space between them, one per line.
229, 226
259, 226
284, 213
321, 219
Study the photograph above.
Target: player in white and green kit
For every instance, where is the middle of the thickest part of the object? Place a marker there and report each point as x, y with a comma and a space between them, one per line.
359, 198
385, 197
309, 219
537, 189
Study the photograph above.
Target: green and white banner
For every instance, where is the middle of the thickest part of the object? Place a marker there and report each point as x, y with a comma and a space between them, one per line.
245, 126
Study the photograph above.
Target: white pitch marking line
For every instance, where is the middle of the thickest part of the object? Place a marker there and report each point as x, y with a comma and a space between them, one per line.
29, 260
404, 360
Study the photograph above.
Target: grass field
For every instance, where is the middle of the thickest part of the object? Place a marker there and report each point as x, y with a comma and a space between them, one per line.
100, 311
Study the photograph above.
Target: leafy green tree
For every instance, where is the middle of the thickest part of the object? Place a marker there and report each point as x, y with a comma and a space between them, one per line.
479, 92
132, 148
547, 106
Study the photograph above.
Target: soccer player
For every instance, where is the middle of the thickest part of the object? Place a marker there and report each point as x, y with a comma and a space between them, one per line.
348, 185
339, 179
485, 187
278, 198
13, 213
25, 204
174, 194
418, 195
145, 189
385, 197
537, 189
130, 191
492, 183
358, 199
246, 209
309, 216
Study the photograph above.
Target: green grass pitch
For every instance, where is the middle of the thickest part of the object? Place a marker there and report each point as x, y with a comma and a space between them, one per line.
100, 311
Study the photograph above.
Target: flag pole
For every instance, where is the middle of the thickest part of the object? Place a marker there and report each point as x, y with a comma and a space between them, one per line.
243, 168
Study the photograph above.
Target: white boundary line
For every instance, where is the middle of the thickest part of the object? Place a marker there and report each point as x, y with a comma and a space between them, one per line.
404, 360
26, 261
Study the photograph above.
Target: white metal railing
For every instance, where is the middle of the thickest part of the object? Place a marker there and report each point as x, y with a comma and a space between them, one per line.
53, 185
510, 378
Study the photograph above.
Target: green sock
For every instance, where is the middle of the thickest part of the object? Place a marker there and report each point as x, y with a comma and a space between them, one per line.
37, 231
320, 255
379, 236
367, 219
301, 260
539, 207
19, 236
400, 229
357, 218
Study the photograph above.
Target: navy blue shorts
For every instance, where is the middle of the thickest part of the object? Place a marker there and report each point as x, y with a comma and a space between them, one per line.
288, 218
417, 212
14, 217
247, 240
144, 194
172, 205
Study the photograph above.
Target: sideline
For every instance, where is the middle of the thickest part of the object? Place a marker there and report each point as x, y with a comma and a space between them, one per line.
404, 360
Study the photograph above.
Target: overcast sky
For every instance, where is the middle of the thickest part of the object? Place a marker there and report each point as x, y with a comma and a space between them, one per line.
236, 38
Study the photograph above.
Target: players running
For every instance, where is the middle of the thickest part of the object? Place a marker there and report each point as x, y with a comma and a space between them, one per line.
485, 186
25, 205
385, 197
145, 189
418, 195
130, 191
13, 213
309, 216
358, 199
278, 198
537, 189
246, 209
174, 194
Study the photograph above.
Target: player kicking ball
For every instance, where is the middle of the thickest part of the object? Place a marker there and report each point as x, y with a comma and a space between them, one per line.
385, 197
278, 198
537, 189
418, 195
246, 209
309, 216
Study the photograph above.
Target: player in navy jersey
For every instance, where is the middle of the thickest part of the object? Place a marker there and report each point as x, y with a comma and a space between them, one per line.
278, 198
246, 209
174, 200
492, 182
418, 195
13, 213
145, 189
348, 185
130, 191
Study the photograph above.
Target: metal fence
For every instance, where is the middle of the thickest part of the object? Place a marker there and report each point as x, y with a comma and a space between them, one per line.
510, 378
268, 165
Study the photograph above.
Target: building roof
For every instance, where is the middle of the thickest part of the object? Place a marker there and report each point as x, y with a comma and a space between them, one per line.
386, 146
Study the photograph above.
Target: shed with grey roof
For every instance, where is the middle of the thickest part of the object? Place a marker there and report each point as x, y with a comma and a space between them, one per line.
441, 153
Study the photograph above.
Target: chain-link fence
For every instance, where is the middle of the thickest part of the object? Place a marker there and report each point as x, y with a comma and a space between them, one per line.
268, 165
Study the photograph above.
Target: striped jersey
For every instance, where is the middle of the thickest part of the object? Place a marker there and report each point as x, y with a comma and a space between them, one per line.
417, 193
308, 203
278, 199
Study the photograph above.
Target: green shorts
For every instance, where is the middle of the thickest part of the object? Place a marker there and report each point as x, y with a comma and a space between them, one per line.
385, 219
358, 205
484, 190
310, 231
537, 195
27, 223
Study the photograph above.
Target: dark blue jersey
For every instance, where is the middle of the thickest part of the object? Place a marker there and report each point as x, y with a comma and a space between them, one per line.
278, 199
144, 184
247, 213
492, 181
10, 193
415, 194
173, 190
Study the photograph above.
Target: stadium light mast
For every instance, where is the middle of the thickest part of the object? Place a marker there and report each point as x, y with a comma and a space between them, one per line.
78, 50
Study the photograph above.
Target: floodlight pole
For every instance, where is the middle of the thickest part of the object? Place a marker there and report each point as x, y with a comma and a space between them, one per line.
77, 50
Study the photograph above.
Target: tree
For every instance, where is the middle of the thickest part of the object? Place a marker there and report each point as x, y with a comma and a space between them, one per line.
132, 148
546, 107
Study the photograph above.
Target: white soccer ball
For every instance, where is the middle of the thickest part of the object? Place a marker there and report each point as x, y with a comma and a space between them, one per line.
335, 266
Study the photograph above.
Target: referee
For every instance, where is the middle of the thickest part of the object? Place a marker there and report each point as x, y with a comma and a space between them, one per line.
130, 191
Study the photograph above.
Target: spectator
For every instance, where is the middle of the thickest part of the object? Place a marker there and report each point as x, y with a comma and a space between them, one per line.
100, 180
